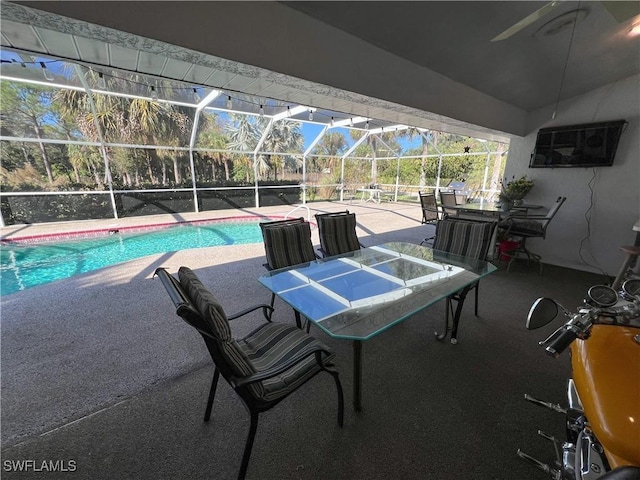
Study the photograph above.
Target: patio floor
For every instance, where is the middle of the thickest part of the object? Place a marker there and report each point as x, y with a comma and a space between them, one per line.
98, 369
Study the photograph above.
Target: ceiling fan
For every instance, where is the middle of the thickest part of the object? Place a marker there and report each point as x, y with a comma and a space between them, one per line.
620, 10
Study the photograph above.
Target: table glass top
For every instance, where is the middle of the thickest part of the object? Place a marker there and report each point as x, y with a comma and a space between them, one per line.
360, 294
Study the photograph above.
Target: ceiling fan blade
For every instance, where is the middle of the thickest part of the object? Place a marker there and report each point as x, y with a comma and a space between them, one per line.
526, 21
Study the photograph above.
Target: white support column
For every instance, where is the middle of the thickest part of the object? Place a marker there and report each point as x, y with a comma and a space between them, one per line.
347, 153
395, 195
255, 160
309, 149
192, 142
103, 150
486, 167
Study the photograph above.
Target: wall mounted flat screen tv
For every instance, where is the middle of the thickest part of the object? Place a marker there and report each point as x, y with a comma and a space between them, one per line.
587, 145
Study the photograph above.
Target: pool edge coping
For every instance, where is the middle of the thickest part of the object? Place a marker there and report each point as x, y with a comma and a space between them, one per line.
105, 231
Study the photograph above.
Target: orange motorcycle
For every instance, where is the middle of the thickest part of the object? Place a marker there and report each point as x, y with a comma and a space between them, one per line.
603, 397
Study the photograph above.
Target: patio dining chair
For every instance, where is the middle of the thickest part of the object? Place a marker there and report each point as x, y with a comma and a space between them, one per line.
337, 232
430, 211
264, 367
287, 243
528, 226
448, 199
471, 239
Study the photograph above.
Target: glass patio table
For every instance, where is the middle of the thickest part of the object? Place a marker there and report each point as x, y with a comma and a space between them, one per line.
359, 295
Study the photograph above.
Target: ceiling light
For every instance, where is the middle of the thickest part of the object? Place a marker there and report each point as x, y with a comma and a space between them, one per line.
46, 72
634, 30
349, 121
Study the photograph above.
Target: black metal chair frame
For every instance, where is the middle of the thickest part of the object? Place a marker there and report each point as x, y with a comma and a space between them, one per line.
275, 224
431, 213
510, 228
189, 313
460, 296
448, 199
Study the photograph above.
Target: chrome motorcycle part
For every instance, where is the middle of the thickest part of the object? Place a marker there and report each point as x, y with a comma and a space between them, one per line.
569, 461
542, 312
555, 474
602, 296
572, 396
551, 406
589, 454
555, 442
631, 288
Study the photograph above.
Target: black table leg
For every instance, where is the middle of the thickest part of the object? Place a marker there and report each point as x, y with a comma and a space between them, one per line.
357, 375
462, 294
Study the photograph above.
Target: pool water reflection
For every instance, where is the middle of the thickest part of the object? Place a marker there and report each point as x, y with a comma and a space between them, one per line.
25, 266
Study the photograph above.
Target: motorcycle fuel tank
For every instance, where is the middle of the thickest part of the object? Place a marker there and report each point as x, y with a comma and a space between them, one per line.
606, 372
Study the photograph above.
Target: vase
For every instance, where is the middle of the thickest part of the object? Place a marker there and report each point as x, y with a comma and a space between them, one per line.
505, 206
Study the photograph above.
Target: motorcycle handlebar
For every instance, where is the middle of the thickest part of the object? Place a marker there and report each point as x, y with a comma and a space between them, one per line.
561, 342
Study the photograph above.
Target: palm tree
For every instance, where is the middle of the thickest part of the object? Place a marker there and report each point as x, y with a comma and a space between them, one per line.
284, 137
333, 144
243, 133
27, 106
371, 144
410, 134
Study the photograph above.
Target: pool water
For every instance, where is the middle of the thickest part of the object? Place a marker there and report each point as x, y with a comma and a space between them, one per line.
25, 266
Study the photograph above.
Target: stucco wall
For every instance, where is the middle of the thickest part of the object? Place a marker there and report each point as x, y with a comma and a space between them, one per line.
609, 195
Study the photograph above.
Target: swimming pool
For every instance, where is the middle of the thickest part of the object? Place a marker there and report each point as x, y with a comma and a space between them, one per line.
25, 266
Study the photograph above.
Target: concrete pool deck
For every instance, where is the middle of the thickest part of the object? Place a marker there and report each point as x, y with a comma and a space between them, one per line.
409, 211
98, 370
53, 332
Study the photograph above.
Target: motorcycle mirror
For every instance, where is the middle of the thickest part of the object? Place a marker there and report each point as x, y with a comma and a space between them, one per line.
542, 312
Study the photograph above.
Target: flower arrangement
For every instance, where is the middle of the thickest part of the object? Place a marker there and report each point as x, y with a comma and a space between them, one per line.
516, 189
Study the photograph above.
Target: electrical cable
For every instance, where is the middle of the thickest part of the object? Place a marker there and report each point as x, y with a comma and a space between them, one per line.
587, 216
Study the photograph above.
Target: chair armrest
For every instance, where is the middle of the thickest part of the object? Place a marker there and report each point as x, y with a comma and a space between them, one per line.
278, 369
267, 311
527, 217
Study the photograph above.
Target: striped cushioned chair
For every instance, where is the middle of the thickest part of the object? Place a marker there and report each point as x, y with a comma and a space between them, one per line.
264, 367
337, 232
470, 239
287, 243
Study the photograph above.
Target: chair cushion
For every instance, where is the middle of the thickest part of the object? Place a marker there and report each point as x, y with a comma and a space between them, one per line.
471, 239
287, 245
338, 233
274, 343
526, 227
213, 315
